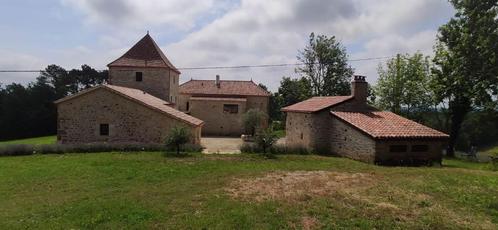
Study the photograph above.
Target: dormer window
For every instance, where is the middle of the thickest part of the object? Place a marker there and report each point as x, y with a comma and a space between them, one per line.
138, 76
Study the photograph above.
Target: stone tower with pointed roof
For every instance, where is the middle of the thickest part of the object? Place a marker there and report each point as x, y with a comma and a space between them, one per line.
145, 67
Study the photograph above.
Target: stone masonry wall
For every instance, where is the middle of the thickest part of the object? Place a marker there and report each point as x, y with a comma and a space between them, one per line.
434, 152
298, 132
308, 130
155, 81
348, 142
79, 120
216, 121
182, 102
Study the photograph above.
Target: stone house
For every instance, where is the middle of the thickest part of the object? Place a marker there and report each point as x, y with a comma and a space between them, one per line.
138, 105
222, 103
347, 126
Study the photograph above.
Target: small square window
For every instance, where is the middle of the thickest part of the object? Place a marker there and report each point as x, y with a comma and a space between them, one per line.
138, 76
104, 129
420, 148
398, 148
230, 108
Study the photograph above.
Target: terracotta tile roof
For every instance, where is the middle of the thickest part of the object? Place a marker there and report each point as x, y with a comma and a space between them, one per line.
146, 53
208, 87
144, 99
387, 125
316, 104
217, 99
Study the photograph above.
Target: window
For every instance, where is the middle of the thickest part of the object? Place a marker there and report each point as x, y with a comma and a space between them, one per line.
188, 106
138, 76
104, 129
302, 136
397, 148
230, 108
420, 148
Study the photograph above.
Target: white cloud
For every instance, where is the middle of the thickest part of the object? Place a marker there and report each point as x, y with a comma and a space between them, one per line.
225, 33
388, 45
262, 32
134, 14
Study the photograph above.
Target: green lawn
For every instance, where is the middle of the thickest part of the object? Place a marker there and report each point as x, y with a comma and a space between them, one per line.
32, 141
147, 190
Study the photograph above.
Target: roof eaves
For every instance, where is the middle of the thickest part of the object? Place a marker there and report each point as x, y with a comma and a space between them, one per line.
83, 92
314, 110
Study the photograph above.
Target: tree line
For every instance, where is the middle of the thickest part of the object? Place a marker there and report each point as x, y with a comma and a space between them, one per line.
29, 111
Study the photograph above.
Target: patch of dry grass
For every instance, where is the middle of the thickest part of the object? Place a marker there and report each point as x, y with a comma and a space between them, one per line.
299, 185
368, 192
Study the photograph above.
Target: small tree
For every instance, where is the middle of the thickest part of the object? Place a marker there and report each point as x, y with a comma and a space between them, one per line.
178, 136
252, 120
265, 139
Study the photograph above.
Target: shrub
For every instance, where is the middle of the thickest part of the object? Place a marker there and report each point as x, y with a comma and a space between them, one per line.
278, 125
494, 160
178, 137
265, 139
247, 147
284, 149
252, 120
276, 149
17, 150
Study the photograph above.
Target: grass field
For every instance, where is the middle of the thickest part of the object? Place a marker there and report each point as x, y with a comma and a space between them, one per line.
32, 141
148, 190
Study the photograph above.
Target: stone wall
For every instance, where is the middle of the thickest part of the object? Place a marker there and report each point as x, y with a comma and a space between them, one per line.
79, 120
216, 121
183, 99
434, 152
309, 130
320, 130
159, 82
298, 132
348, 142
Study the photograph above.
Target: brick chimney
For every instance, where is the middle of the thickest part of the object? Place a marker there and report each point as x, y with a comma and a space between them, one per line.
359, 89
217, 82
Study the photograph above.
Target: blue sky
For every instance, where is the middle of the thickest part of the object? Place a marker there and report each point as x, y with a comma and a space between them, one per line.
212, 33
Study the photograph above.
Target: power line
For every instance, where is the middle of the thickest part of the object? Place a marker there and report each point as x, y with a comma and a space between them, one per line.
224, 67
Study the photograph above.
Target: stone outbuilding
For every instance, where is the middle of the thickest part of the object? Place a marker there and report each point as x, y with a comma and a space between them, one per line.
115, 114
347, 126
138, 105
222, 103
